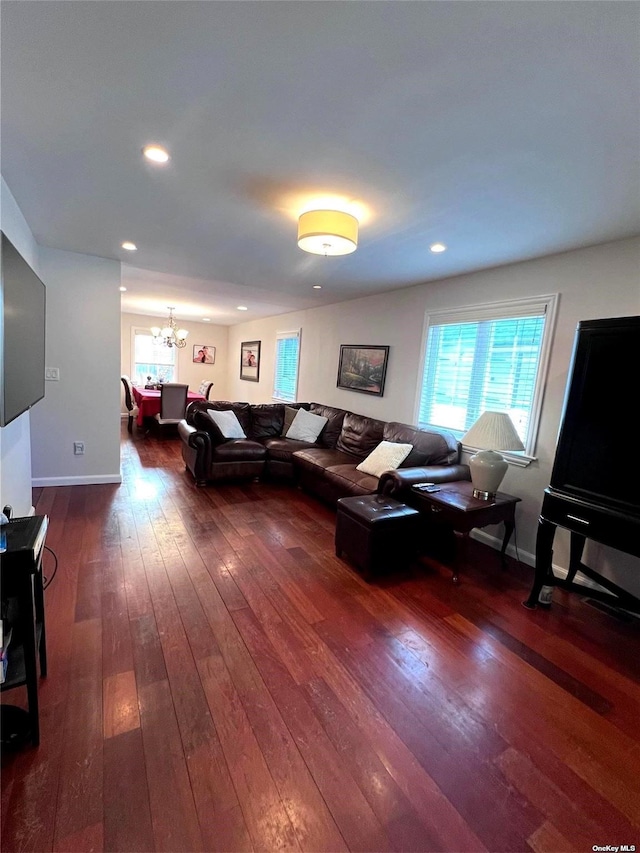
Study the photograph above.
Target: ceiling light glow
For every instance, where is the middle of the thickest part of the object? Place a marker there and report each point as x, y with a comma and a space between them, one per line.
206, 319
436, 248
242, 308
123, 290
129, 246
317, 287
156, 153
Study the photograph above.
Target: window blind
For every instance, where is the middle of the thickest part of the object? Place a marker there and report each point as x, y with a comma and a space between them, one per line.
487, 358
285, 386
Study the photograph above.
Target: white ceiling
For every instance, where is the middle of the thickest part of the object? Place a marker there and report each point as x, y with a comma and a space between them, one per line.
507, 130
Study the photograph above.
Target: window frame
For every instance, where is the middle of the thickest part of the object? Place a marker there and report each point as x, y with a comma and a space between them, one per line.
503, 309
286, 335
144, 330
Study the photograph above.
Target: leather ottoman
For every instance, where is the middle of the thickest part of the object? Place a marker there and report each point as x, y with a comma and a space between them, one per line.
377, 533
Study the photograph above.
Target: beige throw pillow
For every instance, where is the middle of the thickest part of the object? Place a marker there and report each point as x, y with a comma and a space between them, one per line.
306, 426
289, 415
386, 456
227, 422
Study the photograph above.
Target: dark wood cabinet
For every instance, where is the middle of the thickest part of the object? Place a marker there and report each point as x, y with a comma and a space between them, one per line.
595, 482
22, 593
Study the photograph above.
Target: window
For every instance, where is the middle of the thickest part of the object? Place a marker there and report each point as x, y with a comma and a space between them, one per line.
151, 362
285, 382
487, 357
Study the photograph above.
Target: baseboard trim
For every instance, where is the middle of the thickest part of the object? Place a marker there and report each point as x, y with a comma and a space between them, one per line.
89, 480
529, 559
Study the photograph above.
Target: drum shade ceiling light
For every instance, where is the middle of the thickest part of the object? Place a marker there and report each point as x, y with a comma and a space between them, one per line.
327, 232
170, 335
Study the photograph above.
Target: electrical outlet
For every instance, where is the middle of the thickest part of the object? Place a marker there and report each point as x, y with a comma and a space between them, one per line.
78, 448
52, 374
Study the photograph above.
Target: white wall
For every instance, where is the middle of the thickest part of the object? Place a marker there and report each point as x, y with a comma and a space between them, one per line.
600, 281
15, 438
192, 374
83, 341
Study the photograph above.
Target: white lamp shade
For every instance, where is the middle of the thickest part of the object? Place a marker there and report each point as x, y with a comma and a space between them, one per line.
328, 232
181, 334
155, 331
167, 332
491, 432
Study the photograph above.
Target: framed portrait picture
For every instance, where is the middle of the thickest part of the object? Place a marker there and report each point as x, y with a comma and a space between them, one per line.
250, 361
363, 368
204, 354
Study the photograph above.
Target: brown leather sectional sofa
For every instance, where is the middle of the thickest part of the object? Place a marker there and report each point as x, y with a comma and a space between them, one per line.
326, 468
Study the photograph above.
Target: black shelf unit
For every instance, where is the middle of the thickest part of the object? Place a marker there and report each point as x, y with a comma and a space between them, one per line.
593, 491
22, 593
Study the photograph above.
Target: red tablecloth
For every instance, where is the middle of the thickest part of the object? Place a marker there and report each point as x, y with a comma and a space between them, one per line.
148, 402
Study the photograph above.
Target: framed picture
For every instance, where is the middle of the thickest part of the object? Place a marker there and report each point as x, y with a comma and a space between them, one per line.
204, 354
363, 368
250, 361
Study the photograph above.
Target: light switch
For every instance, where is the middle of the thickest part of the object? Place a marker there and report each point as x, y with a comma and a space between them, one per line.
52, 374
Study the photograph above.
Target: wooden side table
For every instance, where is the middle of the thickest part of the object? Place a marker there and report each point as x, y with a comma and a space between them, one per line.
455, 507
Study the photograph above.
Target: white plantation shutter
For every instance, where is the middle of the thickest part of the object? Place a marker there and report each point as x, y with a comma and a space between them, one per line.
285, 385
491, 357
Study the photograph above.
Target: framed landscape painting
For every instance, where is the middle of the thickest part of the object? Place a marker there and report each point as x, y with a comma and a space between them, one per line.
363, 368
250, 360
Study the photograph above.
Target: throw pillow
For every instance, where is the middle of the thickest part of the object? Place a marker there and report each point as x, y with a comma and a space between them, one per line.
289, 415
305, 426
227, 422
386, 456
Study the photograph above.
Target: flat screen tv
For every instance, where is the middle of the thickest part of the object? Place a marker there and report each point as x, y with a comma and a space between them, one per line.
22, 331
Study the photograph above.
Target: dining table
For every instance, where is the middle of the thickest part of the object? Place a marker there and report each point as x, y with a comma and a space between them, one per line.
148, 402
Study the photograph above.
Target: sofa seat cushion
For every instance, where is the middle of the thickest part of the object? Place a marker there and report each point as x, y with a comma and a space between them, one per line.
360, 435
317, 459
239, 450
349, 481
284, 448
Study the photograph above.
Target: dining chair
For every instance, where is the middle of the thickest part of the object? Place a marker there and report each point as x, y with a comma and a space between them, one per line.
205, 388
129, 402
173, 404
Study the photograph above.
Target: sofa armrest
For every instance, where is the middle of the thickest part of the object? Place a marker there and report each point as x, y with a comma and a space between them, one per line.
200, 442
401, 479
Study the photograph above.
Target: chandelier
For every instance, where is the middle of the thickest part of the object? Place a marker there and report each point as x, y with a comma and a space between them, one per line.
170, 335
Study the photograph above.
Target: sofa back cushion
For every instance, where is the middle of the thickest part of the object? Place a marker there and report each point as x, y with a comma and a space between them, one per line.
197, 416
430, 447
359, 435
331, 432
266, 420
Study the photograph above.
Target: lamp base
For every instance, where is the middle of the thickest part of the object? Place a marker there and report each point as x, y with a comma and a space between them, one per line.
483, 495
487, 471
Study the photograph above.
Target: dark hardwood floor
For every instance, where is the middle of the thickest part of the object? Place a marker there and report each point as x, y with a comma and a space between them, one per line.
219, 680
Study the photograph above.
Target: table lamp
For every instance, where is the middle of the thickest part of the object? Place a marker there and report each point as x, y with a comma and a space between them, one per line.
493, 431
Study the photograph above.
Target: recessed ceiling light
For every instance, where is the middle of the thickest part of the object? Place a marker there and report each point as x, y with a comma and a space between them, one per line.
129, 246
438, 247
123, 290
317, 287
242, 308
156, 153
206, 319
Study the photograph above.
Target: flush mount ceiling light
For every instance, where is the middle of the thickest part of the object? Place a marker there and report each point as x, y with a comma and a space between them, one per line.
123, 290
242, 308
156, 153
436, 248
327, 232
170, 335
129, 246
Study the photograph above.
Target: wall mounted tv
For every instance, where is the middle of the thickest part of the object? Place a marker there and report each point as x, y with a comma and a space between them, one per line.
22, 329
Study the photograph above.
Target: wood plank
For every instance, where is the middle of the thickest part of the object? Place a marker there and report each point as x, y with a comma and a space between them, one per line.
119, 704
127, 813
